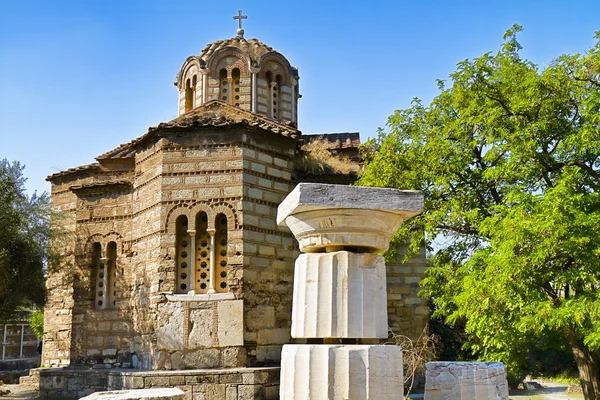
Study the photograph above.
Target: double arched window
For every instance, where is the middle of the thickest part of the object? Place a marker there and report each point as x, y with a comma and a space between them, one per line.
105, 274
201, 255
230, 86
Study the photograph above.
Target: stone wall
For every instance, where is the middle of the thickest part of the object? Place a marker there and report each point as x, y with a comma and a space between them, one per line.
408, 314
214, 384
269, 250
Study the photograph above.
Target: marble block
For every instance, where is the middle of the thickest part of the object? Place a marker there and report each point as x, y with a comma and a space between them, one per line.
139, 394
339, 295
336, 372
465, 381
325, 216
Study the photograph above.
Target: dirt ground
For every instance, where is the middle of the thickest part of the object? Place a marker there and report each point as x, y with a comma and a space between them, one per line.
551, 391
21, 392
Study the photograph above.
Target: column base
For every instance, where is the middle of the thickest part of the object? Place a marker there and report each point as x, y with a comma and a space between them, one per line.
357, 372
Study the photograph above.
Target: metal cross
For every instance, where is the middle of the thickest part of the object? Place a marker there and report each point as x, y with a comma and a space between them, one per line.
240, 17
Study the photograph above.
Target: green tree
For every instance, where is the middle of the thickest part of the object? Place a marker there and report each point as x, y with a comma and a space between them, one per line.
24, 234
507, 156
36, 322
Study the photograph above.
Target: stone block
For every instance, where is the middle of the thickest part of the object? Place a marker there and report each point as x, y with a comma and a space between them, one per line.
141, 394
215, 392
202, 322
233, 357
340, 294
341, 372
251, 392
230, 328
170, 326
202, 358
465, 381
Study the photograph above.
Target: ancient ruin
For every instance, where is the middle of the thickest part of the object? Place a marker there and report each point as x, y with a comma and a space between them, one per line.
466, 381
174, 260
339, 291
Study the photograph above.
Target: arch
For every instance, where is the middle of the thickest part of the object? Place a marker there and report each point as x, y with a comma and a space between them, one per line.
173, 213
283, 66
216, 61
227, 210
103, 239
190, 62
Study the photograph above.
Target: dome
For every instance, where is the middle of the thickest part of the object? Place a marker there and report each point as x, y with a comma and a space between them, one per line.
253, 48
244, 73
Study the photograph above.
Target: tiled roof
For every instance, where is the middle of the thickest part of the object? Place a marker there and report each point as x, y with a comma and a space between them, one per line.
254, 47
344, 140
71, 171
214, 113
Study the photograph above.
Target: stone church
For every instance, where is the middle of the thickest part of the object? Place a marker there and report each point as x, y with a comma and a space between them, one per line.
173, 258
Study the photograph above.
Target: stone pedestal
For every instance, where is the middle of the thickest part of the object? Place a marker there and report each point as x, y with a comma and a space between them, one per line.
340, 291
466, 381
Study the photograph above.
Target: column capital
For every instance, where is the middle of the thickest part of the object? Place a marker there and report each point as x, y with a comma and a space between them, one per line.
191, 232
211, 231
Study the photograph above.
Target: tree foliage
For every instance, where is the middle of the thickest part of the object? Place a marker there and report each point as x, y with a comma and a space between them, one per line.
507, 156
36, 322
24, 234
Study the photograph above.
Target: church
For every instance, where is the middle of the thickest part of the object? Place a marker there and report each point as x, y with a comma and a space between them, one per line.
173, 259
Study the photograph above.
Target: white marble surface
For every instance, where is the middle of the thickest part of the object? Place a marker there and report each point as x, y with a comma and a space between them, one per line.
337, 372
139, 394
466, 381
339, 295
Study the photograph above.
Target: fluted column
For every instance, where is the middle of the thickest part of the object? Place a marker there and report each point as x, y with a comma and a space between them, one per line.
340, 291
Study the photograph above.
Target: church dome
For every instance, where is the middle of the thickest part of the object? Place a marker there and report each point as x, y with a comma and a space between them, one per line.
244, 73
253, 48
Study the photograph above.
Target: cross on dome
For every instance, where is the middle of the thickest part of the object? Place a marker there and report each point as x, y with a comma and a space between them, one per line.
240, 17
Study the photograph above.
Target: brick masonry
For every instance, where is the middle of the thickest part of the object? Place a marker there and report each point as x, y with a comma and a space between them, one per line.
120, 214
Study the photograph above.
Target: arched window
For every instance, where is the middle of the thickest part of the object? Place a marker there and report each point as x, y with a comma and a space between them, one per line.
106, 275
189, 95
194, 85
111, 271
98, 267
235, 77
275, 96
269, 78
183, 254
221, 267
203, 254
224, 85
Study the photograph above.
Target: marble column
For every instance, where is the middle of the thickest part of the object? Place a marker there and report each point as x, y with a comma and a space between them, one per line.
340, 291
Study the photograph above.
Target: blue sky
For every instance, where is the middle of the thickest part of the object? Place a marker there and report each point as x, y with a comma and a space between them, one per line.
79, 77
